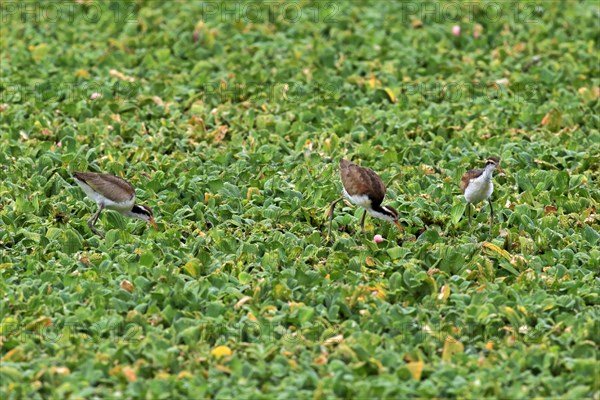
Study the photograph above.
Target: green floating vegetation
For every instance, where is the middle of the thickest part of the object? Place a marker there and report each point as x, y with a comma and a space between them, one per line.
229, 119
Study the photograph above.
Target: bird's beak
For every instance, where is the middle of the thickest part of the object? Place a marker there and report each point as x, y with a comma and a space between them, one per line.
153, 224
398, 225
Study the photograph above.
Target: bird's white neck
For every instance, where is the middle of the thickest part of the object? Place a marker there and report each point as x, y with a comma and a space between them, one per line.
488, 172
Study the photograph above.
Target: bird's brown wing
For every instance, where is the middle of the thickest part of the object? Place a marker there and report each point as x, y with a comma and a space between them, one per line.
466, 178
361, 181
110, 186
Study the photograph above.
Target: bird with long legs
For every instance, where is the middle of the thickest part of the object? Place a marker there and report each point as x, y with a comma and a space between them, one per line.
364, 188
477, 186
112, 193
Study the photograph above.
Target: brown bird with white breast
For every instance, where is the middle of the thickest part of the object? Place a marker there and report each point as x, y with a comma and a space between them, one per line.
364, 188
112, 193
477, 186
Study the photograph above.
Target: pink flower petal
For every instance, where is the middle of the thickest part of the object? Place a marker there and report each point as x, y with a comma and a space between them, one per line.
378, 238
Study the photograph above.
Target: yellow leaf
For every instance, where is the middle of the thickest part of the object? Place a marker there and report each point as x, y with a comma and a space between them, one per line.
15, 354
334, 340
497, 251
281, 291
416, 369
223, 368
40, 322
270, 309
416, 23
242, 301
191, 268
552, 120
489, 345
522, 309
184, 375
116, 74
129, 374
251, 317
321, 359
444, 293
391, 95
8, 325
427, 169
509, 310
451, 347
60, 370
221, 351
126, 285
163, 375
251, 191
374, 81
294, 306
370, 261
82, 73
550, 210
39, 52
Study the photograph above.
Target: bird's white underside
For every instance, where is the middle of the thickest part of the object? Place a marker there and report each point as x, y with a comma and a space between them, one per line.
364, 202
122, 207
479, 189
360, 200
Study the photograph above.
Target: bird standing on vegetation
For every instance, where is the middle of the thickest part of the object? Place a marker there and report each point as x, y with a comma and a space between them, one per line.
477, 186
364, 188
113, 193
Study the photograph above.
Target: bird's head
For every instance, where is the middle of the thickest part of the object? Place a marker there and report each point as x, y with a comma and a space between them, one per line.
144, 213
492, 162
390, 214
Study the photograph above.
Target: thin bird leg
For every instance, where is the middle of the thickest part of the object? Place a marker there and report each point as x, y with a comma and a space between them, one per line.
492, 212
92, 221
469, 212
362, 223
330, 215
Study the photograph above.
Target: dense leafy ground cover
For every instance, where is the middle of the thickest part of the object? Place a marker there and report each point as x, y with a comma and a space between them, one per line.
230, 123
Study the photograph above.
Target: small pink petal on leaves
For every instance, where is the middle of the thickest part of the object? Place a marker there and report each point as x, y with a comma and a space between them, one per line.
378, 238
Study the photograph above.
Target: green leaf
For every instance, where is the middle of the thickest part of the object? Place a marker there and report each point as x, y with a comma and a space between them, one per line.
112, 237
305, 314
12, 374
192, 267
396, 281
244, 277
562, 182
591, 235
54, 233
457, 211
115, 220
396, 253
147, 259
72, 241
